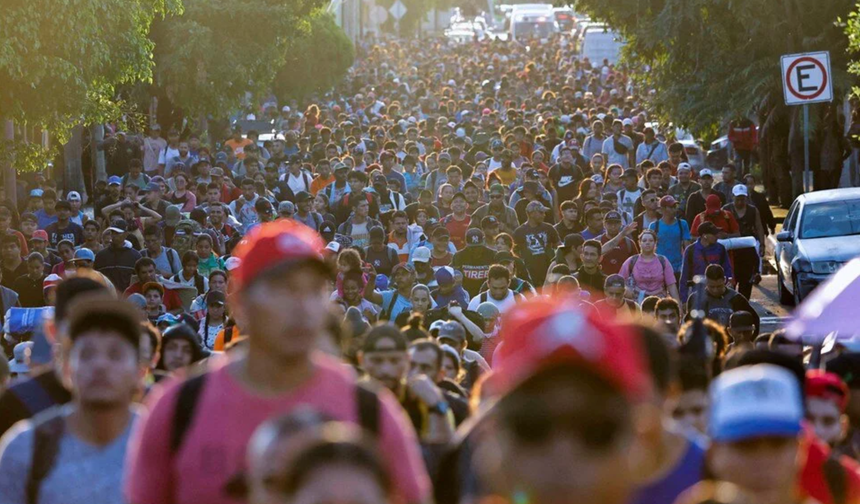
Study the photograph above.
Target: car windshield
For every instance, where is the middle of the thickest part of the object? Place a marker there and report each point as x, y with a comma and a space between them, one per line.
833, 218
539, 29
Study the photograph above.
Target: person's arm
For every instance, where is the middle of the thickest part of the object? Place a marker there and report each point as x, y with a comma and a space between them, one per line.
439, 427
106, 211
148, 212
673, 293
471, 327
370, 293
759, 231
614, 243
686, 239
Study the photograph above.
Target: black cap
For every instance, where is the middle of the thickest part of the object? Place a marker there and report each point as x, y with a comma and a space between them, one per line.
303, 196
489, 221
215, 297
452, 330
328, 228
474, 236
573, 240
503, 256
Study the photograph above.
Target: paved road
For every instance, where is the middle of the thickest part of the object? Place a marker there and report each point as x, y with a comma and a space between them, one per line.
765, 300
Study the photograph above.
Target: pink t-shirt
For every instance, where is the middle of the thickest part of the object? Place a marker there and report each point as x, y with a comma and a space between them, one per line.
653, 276
213, 450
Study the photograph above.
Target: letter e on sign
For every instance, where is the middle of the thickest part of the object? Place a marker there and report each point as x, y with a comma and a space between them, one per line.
806, 78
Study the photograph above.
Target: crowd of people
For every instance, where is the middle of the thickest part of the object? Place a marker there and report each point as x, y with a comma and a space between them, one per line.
472, 273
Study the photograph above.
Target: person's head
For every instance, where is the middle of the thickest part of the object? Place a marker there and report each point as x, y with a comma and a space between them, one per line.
668, 207
101, 363
203, 246
715, 280
399, 223
755, 424
708, 233
497, 196
404, 277
425, 358
357, 182
118, 232
648, 241
742, 327
295, 460
180, 348
440, 239
36, 265
384, 356
280, 289
459, 204
676, 153
594, 219
11, 248
729, 171
420, 298
717, 341
498, 282
689, 406
568, 411
613, 288
706, 179
153, 292
504, 242
591, 251
536, 212
190, 261
826, 400
740, 194
570, 211
668, 314
66, 250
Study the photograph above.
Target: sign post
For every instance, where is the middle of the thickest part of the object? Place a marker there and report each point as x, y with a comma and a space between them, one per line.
398, 10
806, 79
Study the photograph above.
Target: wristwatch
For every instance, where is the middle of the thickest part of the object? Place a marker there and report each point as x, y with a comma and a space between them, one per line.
440, 408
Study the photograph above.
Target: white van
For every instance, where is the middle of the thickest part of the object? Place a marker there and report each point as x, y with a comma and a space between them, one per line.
527, 24
599, 43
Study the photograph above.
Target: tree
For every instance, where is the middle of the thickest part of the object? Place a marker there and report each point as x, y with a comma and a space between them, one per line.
61, 62
712, 60
316, 61
210, 58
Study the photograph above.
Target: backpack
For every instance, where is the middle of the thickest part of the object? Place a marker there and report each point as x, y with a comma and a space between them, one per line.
170, 261
47, 432
190, 391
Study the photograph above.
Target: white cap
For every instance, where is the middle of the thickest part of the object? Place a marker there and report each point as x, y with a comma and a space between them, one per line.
333, 246
452, 82
740, 190
421, 254
685, 167
73, 196
755, 401
627, 122
285, 108
706, 173
232, 263
565, 119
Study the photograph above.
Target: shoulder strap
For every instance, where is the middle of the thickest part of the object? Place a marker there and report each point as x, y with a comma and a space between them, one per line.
483, 297
387, 312
368, 409
186, 403
170, 260
633, 262
834, 475
46, 447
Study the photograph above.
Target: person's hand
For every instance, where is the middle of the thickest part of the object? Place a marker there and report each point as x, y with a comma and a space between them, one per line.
423, 388
630, 228
369, 315
370, 271
722, 235
455, 310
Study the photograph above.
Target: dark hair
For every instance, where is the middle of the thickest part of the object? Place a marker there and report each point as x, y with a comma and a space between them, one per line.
653, 171
498, 271
70, 289
152, 230
649, 304
384, 331
661, 360
143, 261
594, 244
753, 357
190, 255
569, 204
715, 272
668, 303
692, 374
102, 312
429, 344
414, 328
359, 454
615, 280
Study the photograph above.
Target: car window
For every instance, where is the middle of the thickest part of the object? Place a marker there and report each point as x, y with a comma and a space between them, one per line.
791, 219
833, 218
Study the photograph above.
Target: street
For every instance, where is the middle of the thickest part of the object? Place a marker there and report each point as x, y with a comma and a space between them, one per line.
765, 300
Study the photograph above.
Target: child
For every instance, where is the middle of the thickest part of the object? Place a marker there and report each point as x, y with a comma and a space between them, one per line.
189, 275
208, 261
154, 294
215, 319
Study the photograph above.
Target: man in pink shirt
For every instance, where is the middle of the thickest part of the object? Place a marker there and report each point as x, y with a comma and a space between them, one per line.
193, 442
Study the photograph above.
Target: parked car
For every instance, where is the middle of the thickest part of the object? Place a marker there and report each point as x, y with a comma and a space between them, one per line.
820, 234
718, 153
564, 16
695, 154
599, 42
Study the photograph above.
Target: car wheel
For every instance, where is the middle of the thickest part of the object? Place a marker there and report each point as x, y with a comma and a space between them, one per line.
785, 297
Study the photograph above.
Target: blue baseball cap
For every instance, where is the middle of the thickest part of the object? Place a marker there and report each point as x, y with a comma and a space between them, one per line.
755, 401
84, 254
444, 275
381, 282
114, 180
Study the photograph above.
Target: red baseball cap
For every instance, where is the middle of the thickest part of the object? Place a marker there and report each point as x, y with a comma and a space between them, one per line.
544, 332
668, 201
40, 234
826, 385
273, 244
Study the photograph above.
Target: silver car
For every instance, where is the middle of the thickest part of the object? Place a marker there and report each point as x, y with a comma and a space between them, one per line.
821, 233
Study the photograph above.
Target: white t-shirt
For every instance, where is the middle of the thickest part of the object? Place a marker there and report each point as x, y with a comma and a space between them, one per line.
627, 201
502, 305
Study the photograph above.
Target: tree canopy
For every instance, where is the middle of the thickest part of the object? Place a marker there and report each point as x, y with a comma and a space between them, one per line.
61, 61
208, 59
316, 61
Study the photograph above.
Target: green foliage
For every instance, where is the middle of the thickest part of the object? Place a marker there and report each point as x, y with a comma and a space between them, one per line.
219, 50
316, 61
61, 60
712, 59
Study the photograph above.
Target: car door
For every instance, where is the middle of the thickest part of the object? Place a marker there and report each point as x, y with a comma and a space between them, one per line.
787, 250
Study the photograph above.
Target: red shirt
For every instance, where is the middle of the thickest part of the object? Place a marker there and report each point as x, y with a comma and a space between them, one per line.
171, 298
457, 229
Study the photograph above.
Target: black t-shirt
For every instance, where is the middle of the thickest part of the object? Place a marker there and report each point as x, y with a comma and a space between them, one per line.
9, 276
383, 261
474, 262
29, 397
562, 229
160, 208
566, 181
30, 292
591, 282
536, 246
71, 232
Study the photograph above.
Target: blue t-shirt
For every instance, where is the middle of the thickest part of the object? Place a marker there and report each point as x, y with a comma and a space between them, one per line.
401, 304
43, 220
669, 238
686, 473
458, 294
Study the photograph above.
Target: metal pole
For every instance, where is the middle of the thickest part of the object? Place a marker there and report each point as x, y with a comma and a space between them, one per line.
807, 176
